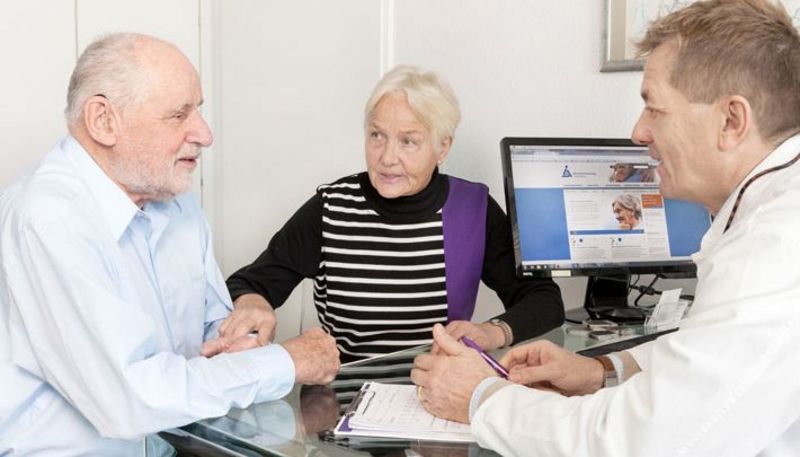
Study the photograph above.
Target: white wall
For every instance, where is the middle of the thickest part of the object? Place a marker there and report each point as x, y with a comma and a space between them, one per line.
293, 79
285, 83
37, 45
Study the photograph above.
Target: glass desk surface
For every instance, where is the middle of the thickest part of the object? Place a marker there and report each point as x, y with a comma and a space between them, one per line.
300, 424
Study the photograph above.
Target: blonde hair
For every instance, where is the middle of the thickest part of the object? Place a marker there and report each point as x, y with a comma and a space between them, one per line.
735, 47
432, 101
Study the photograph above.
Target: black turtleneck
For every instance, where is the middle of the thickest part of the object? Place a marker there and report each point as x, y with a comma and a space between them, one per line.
408, 208
533, 306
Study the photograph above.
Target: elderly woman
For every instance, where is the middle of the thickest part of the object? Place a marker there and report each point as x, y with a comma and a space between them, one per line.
627, 211
400, 247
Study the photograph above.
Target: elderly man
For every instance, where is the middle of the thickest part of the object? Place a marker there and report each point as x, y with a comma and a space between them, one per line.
722, 114
108, 285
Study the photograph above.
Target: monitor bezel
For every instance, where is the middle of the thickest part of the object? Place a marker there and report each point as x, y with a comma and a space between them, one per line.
673, 269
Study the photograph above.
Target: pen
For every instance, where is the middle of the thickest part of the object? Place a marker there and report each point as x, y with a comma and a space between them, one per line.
491, 361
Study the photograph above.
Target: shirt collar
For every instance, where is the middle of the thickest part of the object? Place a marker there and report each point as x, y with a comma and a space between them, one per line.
782, 154
158, 214
113, 203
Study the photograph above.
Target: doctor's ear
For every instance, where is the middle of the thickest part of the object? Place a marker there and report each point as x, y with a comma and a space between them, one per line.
737, 121
100, 120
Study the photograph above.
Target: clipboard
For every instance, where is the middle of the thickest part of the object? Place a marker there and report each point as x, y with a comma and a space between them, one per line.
393, 411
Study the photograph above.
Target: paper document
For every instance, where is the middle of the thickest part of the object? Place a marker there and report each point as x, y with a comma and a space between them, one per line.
669, 310
394, 411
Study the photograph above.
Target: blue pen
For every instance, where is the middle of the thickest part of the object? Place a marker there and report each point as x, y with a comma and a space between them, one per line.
491, 361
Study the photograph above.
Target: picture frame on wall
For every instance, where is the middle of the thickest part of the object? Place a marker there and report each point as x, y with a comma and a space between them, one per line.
626, 22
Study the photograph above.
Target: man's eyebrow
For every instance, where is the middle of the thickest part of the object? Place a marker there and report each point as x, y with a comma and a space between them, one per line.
186, 107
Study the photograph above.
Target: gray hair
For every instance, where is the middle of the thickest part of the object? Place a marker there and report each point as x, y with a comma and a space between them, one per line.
629, 202
109, 66
432, 101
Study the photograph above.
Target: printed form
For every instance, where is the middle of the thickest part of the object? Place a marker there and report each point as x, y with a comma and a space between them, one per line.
394, 411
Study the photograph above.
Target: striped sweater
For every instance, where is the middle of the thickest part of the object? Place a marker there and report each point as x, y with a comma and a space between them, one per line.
378, 268
381, 284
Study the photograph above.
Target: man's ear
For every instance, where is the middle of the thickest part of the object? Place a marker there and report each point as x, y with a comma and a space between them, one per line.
737, 117
100, 120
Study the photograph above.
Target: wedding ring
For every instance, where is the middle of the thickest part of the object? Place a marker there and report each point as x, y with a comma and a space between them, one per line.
419, 393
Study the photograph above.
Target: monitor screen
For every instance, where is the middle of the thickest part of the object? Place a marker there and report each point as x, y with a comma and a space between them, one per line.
592, 206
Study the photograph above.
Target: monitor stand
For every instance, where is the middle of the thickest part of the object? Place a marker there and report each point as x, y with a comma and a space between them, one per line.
607, 298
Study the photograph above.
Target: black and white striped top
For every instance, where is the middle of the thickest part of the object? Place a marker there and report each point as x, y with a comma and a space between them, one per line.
381, 284
378, 266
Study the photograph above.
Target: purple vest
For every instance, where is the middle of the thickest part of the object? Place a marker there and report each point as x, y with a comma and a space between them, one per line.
464, 230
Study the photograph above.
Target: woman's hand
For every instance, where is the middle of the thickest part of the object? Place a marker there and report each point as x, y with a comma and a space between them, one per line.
251, 313
219, 345
485, 335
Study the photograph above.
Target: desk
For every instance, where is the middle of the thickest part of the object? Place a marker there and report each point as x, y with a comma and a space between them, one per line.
299, 424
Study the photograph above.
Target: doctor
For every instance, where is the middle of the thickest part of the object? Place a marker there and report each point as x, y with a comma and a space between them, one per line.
722, 113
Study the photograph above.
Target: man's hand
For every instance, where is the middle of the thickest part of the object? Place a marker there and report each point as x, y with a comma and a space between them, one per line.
543, 364
485, 335
251, 313
315, 357
446, 381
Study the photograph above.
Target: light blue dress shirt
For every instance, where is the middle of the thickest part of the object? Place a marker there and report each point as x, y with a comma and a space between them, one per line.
105, 307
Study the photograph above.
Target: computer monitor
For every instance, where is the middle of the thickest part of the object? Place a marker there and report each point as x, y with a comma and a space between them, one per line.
592, 207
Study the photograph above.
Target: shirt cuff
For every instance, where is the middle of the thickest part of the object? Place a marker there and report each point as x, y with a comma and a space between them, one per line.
273, 368
212, 330
641, 354
487, 386
629, 365
619, 367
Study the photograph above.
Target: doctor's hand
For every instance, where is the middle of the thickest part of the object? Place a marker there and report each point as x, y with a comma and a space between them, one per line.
315, 357
251, 313
446, 380
543, 364
485, 335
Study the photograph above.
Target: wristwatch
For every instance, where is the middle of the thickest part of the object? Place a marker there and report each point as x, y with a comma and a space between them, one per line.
610, 373
507, 335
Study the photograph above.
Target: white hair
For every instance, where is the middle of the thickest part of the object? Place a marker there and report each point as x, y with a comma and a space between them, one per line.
109, 67
629, 202
432, 101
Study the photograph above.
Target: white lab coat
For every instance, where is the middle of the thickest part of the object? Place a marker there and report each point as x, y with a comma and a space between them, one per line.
725, 384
